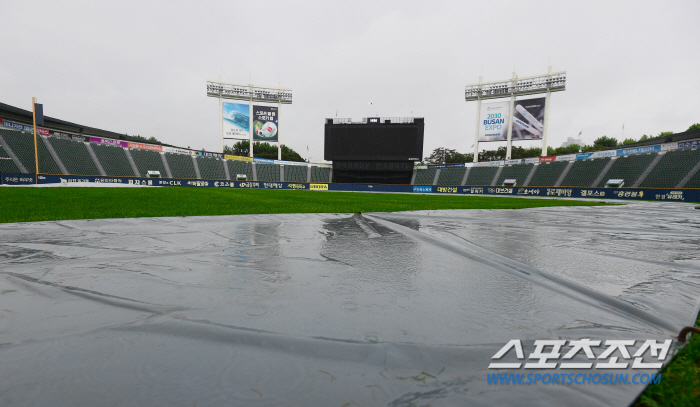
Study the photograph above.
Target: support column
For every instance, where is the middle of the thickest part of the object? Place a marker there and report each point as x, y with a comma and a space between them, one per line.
221, 115
476, 134
509, 148
546, 113
250, 118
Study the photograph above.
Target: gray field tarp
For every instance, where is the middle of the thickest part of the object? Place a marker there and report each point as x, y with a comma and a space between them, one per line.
334, 309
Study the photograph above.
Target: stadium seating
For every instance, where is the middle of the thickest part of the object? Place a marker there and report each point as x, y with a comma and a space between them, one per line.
147, 160
295, 173
74, 156
22, 144
210, 168
7, 166
519, 172
628, 168
267, 172
671, 169
481, 175
547, 173
584, 172
425, 177
319, 174
451, 176
113, 160
694, 182
47, 165
240, 167
181, 165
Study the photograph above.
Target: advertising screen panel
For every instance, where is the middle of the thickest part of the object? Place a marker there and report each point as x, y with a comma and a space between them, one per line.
265, 123
236, 120
493, 121
528, 119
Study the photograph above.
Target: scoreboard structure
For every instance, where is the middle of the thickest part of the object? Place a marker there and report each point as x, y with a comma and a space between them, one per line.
374, 151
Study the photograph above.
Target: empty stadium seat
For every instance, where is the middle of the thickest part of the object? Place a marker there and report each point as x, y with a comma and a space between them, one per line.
267, 172
451, 176
240, 167
319, 174
295, 173
74, 156
547, 173
671, 169
147, 160
628, 168
181, 165
519, 172
425, 176
113, 160
584, 172
210, 168
7, 166
481, 175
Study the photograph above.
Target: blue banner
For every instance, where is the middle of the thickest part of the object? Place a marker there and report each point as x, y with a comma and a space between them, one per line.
639, 150
208, 154
682, 195
445, 165
263, 161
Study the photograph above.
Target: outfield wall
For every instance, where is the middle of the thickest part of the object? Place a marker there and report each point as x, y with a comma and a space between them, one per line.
646, 194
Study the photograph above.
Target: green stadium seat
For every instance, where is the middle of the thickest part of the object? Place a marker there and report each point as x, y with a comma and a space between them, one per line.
584, 172
672, 168
318, 174
74, 156
210, 168
268, 172
425, 176
547, 173
181, 165
295, 173
481, 175
519, 172
240, 167
7, 166
147, 160
451, 176
628, 168
113, 160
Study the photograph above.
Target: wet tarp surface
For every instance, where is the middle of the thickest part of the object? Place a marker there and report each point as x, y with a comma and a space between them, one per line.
333, 309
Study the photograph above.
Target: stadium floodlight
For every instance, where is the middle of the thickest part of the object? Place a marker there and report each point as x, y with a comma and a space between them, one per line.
552, 82
249, 93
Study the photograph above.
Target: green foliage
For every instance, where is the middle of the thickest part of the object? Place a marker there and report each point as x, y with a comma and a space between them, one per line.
42, 204
605, 141
150, 139
262, 150
644, 138
695, 126
628, 141
665, 133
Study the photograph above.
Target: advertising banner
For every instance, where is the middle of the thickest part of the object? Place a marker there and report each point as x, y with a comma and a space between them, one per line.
144, 146
265, 123
639, 150
236, 120
24, 127
109, 141
528, 119
237, 158
178, 150
493, 121
210, 154
263, 160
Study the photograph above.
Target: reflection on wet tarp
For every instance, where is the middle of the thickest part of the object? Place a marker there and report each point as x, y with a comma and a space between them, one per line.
394, 309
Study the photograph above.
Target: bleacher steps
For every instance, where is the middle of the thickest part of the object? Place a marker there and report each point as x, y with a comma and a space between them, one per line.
308, 173
564, 173
281, 173
255, 173
165, 164
94, 159
466, 175
53, 154
437, 175
413, 177
530, 175
646, 172
604, 172
330, 175
226, 171
12, 155
196, 167
688, 176
495, 177
134, 168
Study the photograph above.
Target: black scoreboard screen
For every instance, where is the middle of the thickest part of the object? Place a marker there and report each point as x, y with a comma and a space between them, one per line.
374, 141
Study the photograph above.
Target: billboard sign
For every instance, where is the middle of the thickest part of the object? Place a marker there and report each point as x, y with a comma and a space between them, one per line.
493, 121
265, 123
528, 119
236, 119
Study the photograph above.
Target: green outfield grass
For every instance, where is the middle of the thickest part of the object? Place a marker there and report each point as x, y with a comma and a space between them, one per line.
26, 204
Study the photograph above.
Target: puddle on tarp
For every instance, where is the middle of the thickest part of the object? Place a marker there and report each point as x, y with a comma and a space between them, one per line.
333, 309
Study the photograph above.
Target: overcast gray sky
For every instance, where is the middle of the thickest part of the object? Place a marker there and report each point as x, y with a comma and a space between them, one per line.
140, 67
